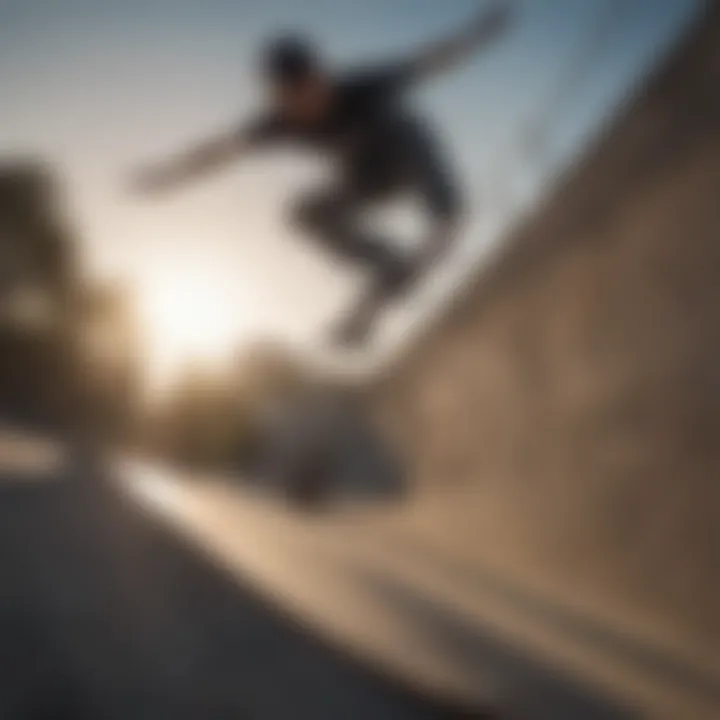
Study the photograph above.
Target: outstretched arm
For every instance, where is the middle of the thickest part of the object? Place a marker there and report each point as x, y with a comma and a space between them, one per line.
490, 24
203, 158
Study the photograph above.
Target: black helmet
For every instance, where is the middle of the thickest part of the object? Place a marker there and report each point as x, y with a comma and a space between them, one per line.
288, 59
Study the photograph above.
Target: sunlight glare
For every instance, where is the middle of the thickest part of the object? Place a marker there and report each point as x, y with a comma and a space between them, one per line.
190, 318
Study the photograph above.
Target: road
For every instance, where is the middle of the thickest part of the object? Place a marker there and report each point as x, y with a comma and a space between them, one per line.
150, 594
106, 613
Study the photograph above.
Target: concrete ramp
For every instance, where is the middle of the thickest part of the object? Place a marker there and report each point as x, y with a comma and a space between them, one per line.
563, 422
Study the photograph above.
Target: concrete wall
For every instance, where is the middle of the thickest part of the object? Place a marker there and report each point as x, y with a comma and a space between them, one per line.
576, 388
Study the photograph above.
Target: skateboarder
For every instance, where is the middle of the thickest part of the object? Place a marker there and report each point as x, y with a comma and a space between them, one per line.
381, 150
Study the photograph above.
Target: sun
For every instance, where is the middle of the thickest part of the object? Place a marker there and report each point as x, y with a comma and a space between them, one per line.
189, 317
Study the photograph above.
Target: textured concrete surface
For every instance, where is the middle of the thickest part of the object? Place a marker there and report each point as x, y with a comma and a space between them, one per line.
563, 421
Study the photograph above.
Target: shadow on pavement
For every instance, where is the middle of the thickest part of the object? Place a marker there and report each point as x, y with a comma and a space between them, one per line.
701, 682
523, 686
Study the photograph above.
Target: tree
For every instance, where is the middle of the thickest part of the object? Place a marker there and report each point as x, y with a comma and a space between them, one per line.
54, 323
38, 253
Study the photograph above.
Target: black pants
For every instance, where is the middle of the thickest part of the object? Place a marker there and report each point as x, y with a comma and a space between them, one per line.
332, 215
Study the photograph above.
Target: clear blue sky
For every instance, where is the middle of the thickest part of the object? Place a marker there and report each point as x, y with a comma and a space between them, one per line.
97, 85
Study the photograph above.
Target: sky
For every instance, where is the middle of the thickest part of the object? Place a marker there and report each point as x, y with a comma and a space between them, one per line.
100, 86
